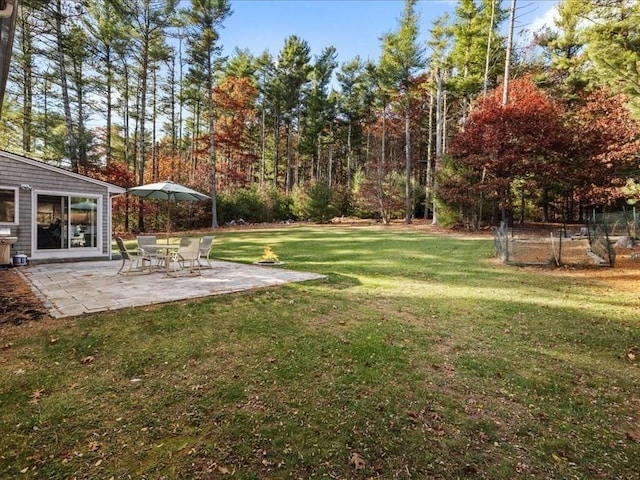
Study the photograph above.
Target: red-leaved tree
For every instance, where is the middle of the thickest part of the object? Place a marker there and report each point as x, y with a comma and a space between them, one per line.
606, 147
505, 150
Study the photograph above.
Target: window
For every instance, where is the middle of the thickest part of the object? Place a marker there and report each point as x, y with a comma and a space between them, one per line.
8, 205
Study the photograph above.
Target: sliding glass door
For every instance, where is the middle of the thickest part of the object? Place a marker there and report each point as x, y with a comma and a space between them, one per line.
66, 222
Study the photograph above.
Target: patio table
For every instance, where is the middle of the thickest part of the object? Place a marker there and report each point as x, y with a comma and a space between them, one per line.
165, 252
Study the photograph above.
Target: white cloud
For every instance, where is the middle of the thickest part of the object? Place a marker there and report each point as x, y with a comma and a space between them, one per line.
545, 20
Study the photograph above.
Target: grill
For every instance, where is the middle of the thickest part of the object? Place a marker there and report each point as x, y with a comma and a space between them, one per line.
6, 240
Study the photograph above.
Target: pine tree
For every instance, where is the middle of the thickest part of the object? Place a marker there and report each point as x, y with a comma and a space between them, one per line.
292, 74
402, 56
613, 44
202, 21
148, 21
319, 111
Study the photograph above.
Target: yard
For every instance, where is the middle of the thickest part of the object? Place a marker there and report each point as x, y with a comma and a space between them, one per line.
419, 357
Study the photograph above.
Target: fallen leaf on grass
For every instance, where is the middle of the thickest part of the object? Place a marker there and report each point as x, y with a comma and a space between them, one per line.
634, 435
357, 461
36, 396
88, 359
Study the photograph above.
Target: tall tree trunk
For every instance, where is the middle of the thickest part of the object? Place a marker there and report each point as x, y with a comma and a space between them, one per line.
26, 43
316, 174
487, 59
263, 136
428, 190
212, 148
349, 153
172, 113
141, 144
383, 154
507, 61
82, 134
107, 146
181, 148
126, 135
407, 153
71, 138
276, 159
439, 141
78, 79
289, 178
330, 156
154, 127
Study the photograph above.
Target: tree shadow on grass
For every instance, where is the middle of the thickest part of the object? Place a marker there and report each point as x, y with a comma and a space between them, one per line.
339, 281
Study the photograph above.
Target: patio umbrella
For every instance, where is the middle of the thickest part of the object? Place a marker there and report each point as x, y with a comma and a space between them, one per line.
167, 191
85, 206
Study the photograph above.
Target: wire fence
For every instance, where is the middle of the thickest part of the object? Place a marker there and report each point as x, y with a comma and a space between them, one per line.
618, 224
590, 244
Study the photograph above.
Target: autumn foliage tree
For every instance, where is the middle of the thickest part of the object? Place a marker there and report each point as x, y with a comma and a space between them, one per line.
606, 147
235, 99
504, 147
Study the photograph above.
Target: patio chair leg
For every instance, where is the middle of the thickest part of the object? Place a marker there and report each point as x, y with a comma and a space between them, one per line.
121, 268
195, 264
207, 260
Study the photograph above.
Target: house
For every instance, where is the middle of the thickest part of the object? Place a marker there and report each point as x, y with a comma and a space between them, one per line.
54, 213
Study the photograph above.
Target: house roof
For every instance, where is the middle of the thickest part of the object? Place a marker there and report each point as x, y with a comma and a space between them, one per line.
8, 15
111, 188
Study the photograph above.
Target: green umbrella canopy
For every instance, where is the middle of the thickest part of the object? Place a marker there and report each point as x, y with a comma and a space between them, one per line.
167, 191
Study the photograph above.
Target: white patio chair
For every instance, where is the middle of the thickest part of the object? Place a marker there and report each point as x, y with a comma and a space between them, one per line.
187, 254
205, 249
148, 249
131, 259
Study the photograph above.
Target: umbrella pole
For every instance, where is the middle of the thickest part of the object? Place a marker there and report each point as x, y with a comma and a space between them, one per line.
168, 218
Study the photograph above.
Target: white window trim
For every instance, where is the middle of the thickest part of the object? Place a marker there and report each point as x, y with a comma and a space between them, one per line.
16, 199
85, 252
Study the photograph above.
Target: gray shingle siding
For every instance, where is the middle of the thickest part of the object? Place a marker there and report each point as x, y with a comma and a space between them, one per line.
16, 171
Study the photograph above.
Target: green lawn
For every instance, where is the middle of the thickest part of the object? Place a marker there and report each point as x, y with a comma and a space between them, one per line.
419, 357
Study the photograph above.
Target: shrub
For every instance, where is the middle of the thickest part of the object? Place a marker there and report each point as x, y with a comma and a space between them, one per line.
319, 208
278, 206
314, 202
254, 205
242, 203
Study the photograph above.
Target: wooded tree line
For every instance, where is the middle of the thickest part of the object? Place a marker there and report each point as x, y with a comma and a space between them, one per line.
136, 91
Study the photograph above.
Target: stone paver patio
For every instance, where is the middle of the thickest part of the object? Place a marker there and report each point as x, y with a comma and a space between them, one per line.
69, 289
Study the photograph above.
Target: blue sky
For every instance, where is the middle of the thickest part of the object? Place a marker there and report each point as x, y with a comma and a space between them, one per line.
353, 27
